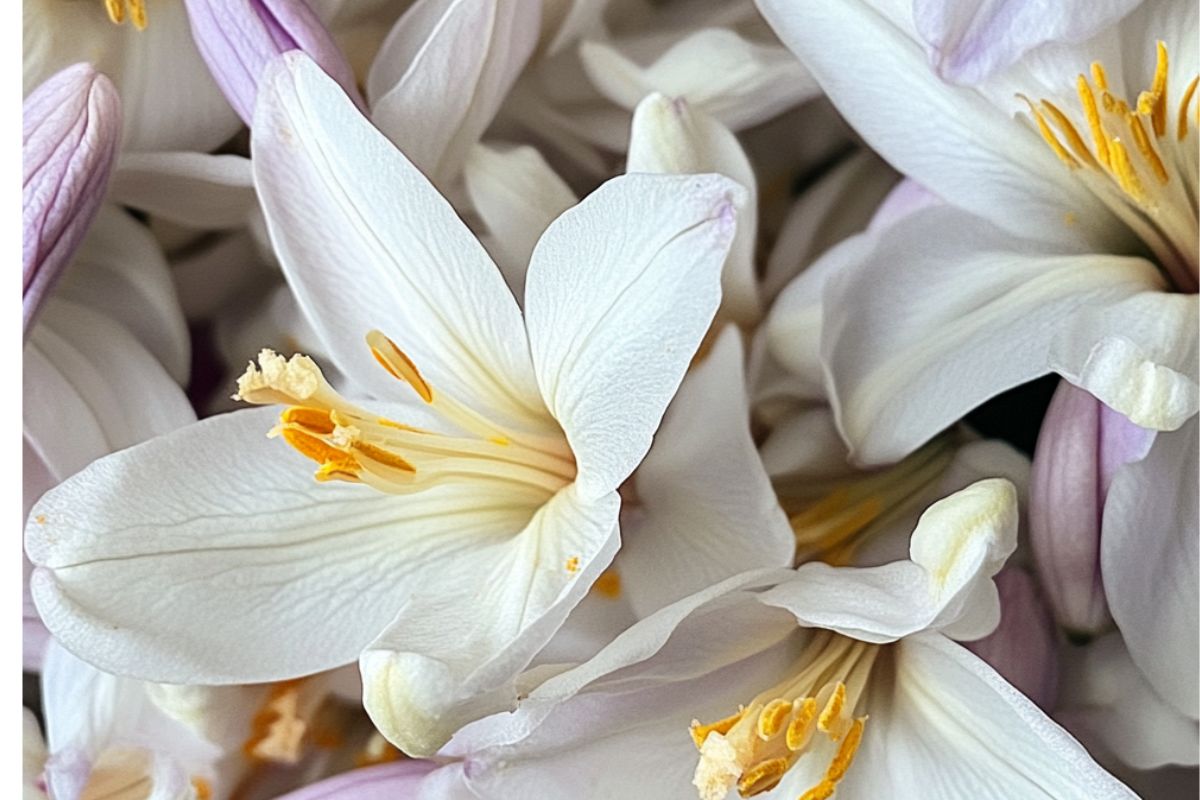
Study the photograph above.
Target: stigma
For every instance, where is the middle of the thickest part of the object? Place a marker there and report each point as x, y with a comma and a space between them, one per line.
119, 10
351, 444
812, 716
1137, 155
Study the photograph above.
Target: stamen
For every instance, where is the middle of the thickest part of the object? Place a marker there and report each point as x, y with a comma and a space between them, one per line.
801, 727
1099, 76
822, 791
845, 754
1068, 130
771, 720
137, 12
116, 10
1126, 176
1182, 123
608, 585
1146, 148
202, 788
398, 365
722, 726
314, 419
383, 457
1159, 89
1049, 136
833, 709
1088, 100
762, 777
310, 446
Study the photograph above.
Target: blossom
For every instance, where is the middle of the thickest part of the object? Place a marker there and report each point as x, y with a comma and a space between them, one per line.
450, 530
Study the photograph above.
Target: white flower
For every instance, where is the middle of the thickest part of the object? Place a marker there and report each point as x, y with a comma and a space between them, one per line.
450, 532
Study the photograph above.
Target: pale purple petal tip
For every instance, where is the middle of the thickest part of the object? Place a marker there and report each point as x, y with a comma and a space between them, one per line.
906, 197
238, 38
395, 781
1081, 445
71, 130
1024, 647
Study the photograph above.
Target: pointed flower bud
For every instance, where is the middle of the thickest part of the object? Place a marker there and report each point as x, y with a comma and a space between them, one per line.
71, 130
1081, 445
1024, 646
238, 38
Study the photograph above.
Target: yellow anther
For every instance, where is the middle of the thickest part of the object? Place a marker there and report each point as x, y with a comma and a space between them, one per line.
116, 10
800, 729
398, 365
1068, 130
1049, 136
202, 789
1181, 125
608, 585
1146, 148
385, 457
845, 754
771, 720
315, 420
1099, 76
822, 791
722, 726
1159, 89
1126, 175
833, 708
1088, 100
311, 447
762, 777
137, 12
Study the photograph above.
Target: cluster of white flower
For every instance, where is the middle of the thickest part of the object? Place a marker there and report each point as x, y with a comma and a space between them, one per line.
658, 399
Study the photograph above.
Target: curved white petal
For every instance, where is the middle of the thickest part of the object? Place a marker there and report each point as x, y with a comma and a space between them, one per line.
980, 311
949, 727
959, 543
120, 270
706, 509
196, 190
518, 195
620, 291
878, 77
211, 556
738, 81
672, 137
453, 655
1148, 558
1137, 355
442, 74
1111, 708
968, 41
367, 243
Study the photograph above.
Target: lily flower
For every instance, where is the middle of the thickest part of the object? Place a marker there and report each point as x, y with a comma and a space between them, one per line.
813, 683
449, 531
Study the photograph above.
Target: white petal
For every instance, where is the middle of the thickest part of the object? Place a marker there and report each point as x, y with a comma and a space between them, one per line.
620, 291
737, 81
442, 73
672, 137
1148, 557
517, 195
980, 310
878, 77
1137, 355
211, 556
452, 655
120, 270
959, 543
968, 41
196, 190
706, 509
1111, 708
959, 730
367, 243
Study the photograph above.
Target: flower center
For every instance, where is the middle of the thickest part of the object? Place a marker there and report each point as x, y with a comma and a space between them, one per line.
136, 10
810, 715
831, 523
352, 444
1140, 162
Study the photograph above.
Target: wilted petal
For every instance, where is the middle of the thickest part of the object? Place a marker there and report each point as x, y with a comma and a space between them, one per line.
71, 129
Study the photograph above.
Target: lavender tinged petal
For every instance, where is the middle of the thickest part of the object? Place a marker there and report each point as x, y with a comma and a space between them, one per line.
395, 781
1081, 445
1024, 647
71, 129
238, 38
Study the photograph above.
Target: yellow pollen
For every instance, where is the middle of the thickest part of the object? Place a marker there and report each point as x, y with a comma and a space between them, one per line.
388, 459
800, 729
722, 726
1048, 135
822, 791
1181, 128
573, 564
1099, 76
1142, 140
608, 585
325, 455
762, 777
1159, 89
137, 12
1125, 174
1068, 130
315, 420
845, 754
833, 708
202, 788
773, 717
398, 365
1088, 100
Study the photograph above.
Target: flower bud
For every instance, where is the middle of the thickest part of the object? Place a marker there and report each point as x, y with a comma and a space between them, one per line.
1023, 648
71, 130
1081, 445
238, 38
